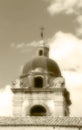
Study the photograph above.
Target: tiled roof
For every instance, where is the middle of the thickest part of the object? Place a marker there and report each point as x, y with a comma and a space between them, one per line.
41, 121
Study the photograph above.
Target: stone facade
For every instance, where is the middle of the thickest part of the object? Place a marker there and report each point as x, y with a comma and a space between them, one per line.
51, 98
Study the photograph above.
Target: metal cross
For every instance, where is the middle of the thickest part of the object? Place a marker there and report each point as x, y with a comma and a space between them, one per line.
42, 32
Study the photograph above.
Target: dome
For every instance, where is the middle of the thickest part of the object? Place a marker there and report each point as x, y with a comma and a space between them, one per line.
42, 62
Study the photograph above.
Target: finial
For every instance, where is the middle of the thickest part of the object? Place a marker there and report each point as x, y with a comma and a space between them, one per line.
42, 32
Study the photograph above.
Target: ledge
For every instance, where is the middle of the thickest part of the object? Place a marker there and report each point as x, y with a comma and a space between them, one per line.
41, 121
27, 90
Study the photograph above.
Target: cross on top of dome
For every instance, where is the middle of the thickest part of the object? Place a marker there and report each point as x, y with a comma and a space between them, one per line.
42, 32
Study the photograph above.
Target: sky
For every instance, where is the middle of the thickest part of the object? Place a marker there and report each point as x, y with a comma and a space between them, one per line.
20, 23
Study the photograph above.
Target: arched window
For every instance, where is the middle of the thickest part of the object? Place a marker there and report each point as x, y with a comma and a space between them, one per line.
38, 82
38, 110
40, 52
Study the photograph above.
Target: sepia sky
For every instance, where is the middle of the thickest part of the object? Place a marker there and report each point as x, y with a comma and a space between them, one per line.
20, 23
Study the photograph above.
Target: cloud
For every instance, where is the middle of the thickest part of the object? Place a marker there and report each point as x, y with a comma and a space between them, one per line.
67, 7
66, 49
73, 84
79, 29
64, 6
6, 102
26, 45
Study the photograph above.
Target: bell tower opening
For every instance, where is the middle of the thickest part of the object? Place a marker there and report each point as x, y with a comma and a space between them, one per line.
40, 52
38, 82
38, 110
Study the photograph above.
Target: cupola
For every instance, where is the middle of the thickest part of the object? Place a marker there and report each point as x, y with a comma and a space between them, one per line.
40, 90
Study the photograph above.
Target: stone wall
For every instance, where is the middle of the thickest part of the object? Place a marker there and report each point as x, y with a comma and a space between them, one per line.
53, 102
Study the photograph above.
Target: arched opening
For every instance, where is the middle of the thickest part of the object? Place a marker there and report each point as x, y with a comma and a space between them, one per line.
38, 82
40, 52
38, 110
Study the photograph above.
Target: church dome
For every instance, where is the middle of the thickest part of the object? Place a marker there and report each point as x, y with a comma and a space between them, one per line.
42, 62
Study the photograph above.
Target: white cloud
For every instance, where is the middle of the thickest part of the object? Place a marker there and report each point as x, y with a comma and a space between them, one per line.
66, 6
74, 83
26, 45
66, 49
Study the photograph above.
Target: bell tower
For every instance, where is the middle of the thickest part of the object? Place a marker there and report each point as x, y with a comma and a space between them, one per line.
43, 50
40, 89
